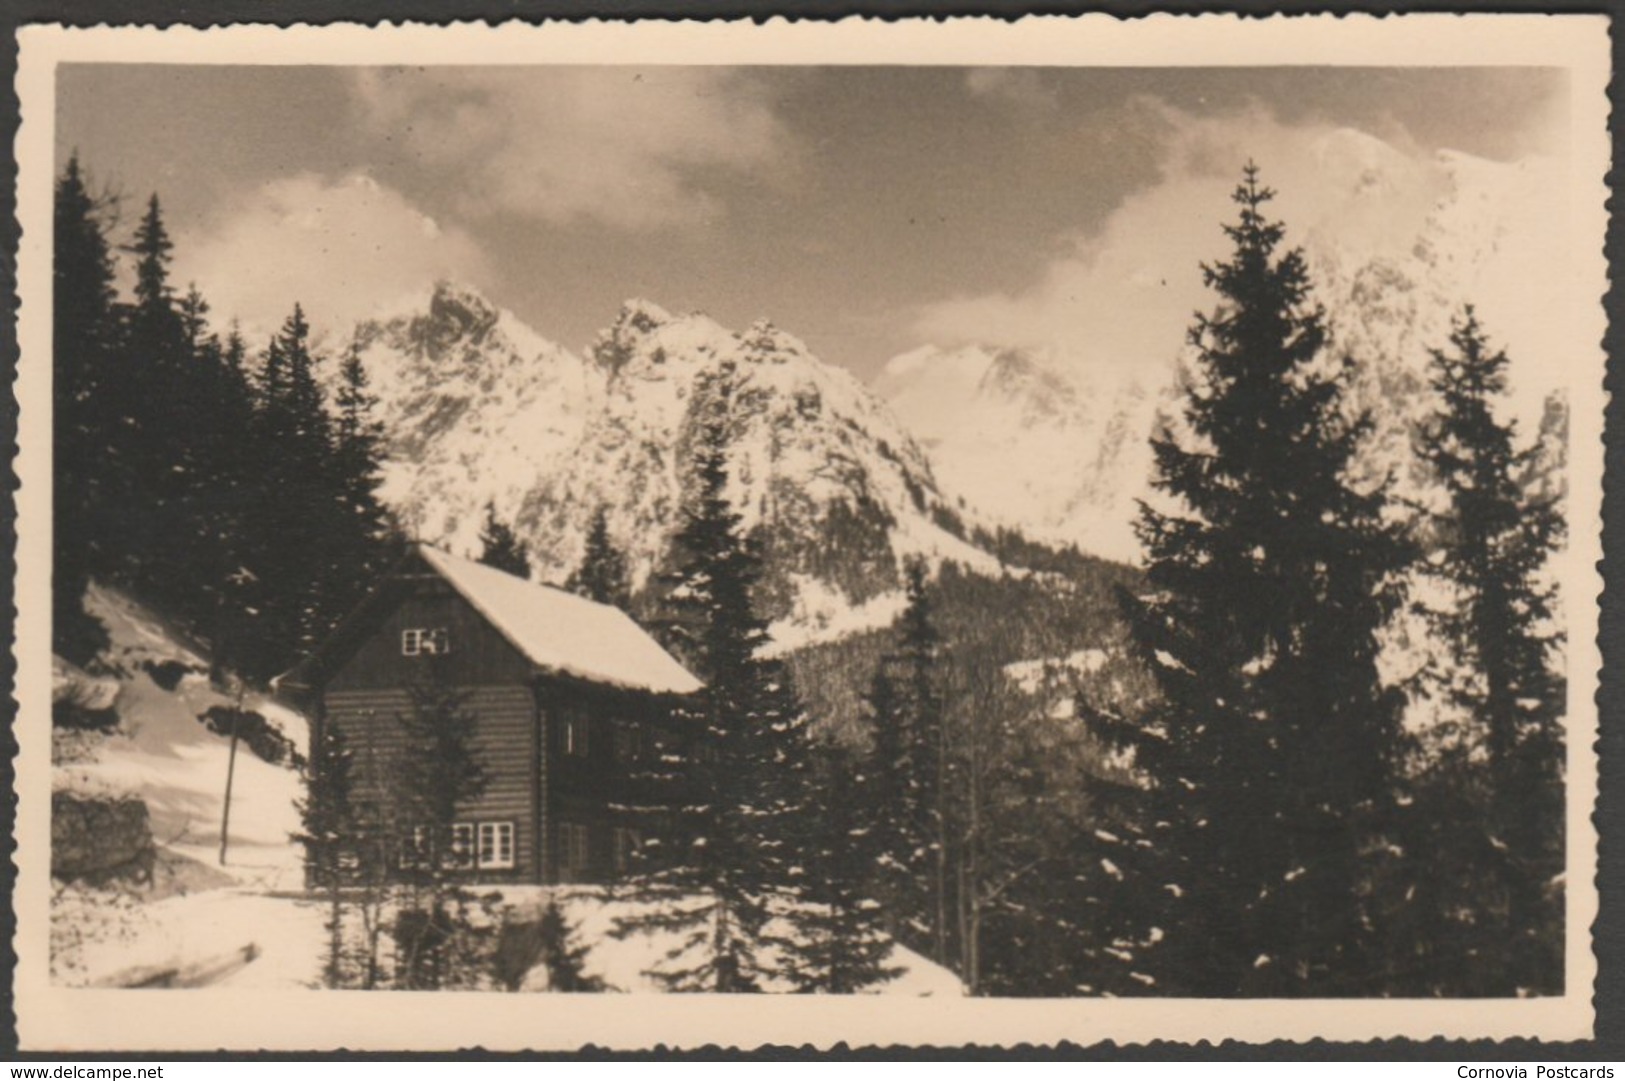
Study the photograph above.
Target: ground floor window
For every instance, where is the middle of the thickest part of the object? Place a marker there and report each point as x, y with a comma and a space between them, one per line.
627, 841
415, 849
462, 845
575, 847
496, 844
485, 845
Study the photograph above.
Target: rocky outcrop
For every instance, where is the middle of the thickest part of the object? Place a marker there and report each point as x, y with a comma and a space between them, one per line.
98, 840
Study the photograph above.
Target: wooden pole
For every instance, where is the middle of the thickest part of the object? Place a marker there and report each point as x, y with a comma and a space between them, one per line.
231, 770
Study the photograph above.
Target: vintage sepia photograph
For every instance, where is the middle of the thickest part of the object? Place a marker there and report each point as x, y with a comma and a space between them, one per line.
575, 513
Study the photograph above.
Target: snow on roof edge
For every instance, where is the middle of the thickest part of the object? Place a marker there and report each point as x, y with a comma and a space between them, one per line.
661, 672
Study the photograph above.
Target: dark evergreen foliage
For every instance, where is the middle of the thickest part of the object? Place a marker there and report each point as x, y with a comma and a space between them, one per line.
912, 760
329, 833
440, 773
602, 576
90, 467
1494, 538
238, 505
840, 944
162, 454
723, 854
1274, 754
499, 547
318, 535
361, 546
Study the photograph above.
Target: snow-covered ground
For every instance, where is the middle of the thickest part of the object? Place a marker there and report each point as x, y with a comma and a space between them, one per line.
822, 613
625, 964
1032, 675
195, 907
198, 912
164, 755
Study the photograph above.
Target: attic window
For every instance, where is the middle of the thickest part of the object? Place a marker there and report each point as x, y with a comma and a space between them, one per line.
421, 641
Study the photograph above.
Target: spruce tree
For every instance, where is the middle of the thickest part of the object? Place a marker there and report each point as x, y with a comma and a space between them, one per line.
329, 836
1267, 586
1128, 864
89, 468
358, 548
724, 855
439, 773
912, 766
156, 341
1495, 536
156, 361
602, 576
298, 526
229, 492
500, 548
839, 944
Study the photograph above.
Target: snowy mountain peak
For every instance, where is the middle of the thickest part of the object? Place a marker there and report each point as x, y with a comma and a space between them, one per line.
460, 306
1029, 437
1019, 374
1050, 443
764, 341
640, 315
481, 409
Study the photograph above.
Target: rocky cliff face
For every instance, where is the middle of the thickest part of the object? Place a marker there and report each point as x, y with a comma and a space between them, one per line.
478, 408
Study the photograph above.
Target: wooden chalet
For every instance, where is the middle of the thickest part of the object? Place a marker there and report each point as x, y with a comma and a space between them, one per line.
565, 694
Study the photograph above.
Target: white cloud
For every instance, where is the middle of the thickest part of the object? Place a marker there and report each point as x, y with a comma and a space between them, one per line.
340, 248
628, 147
1122, 297
1021, 87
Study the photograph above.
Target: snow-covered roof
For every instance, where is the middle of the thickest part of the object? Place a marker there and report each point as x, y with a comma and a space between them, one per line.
564, 633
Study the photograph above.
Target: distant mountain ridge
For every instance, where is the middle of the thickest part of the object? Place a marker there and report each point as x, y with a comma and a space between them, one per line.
477, 407
1036, 438
841, 482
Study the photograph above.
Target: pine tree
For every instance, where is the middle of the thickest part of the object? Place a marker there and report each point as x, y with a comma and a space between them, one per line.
912, 762
1132, 865
840, 945
299, 525
154, 298
329, 836
358, 547
89, 464
723, 856
602, 576
1495, 538
153, 367
1267, 588
229, 490
499, 547
439, 773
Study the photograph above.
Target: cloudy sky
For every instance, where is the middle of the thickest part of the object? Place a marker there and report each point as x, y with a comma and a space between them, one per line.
867, 210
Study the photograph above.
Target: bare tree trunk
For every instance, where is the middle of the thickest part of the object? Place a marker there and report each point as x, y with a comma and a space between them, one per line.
231, 770
335, 932
970, 892
940, 926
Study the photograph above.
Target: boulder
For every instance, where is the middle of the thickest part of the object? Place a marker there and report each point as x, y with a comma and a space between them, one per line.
98, 840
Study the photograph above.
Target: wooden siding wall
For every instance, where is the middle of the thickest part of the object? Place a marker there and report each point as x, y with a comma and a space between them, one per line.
582, 789
480, 656
503, 739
